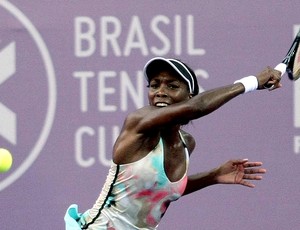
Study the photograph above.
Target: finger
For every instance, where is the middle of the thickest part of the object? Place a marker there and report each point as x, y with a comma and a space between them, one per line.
279, 73
252, 177
275, 86
275, 82
247, 184
239, 161
252, 164
255, 171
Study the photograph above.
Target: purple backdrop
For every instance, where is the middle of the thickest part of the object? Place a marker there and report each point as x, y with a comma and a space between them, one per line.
70, 71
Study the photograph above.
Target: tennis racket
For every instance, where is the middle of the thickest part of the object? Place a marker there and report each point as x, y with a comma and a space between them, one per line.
291, 62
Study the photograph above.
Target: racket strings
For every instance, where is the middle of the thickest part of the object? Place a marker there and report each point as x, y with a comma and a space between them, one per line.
292, 59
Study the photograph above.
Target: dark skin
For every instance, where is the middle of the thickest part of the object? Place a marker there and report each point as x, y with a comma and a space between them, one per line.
170, 106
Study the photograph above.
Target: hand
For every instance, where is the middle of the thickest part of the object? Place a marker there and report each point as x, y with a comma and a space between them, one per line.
239, 172
269, 78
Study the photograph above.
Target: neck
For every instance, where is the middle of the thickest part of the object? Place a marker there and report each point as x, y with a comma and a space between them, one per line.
170, 129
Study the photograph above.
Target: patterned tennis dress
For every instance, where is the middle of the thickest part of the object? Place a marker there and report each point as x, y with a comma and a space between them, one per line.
134, 196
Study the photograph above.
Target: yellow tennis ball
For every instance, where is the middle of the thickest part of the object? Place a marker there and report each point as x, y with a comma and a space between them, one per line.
5, 160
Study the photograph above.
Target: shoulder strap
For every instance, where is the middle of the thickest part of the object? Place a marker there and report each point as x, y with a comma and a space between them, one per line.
182, 139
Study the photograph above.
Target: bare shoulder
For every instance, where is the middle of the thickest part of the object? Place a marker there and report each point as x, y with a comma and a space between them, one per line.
189, 140
134, 118
132, 144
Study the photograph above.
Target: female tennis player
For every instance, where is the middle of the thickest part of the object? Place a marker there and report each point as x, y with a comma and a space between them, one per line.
149, 168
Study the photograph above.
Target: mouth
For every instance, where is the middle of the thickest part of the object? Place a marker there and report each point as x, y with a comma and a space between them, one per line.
161, 104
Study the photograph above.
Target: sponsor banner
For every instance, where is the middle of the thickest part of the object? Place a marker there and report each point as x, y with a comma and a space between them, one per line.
70, 72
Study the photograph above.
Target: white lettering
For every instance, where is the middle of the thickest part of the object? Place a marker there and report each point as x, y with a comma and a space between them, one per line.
202, 74
177, 35
83, 76
135, 31
296, 91
85, 136
103, 91
84, 130
128, 88
102, 142
169, 32
136, 92
107, 37
163, 38
191, 50
85, 44
297, 104
297, 144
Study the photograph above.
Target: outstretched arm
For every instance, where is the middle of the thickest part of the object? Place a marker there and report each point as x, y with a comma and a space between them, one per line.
150, 118
231, 172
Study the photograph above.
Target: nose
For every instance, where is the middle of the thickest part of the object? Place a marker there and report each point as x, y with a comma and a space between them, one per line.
161, 92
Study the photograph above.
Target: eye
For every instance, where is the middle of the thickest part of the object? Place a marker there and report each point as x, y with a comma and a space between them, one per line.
173, 86
153, 85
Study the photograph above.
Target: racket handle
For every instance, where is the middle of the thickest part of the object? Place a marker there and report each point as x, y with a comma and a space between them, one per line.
280, 67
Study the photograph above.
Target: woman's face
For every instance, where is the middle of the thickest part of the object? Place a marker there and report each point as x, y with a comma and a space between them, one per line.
166, 88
